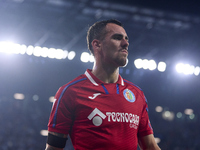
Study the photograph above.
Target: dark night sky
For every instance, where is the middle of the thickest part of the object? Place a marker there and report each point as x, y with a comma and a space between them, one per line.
182, 6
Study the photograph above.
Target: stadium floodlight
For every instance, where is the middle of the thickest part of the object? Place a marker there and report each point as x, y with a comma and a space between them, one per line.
19, 96
16, 48
179, 115
188, 111
59, 54
85, 57
180, 67
51, 53
138, 63
152, 65
159, 109
149, 64
65, 54
162, 66
12, 48
71, 55
187, 69
44, 132
145, 64
192, 116
7, 47
44, 52
51, 99
168, 115
37, 51
35, 97
191, 69
158, 140
1, 47
22, 49
29, 50
197, 71
91, 58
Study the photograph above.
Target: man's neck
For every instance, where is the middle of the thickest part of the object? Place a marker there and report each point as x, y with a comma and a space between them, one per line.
106, 74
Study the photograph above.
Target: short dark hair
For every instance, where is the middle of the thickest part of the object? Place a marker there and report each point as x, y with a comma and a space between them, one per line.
97, 31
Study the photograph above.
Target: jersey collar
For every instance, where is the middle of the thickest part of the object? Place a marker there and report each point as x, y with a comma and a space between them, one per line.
94, 80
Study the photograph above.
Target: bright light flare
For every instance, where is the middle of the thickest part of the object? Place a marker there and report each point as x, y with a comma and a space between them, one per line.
162, 66
85, 56
65, 54
44, 52
187, 69
138, 63
37, 51
179, 115
197, 71
179, 67
152, 65
19, 96
51, 53
145, 64
71, 55
35, 97
188, 111
44, 132
168, 115
29, 50
22, 49
12, 48
158, 109
6, 47
91, 58
59, 54
192, 116
158, 140
51, 99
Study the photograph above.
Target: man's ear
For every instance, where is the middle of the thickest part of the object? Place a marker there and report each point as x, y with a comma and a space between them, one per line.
96, 44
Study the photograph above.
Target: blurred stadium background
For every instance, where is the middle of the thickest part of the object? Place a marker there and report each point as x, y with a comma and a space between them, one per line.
43, 46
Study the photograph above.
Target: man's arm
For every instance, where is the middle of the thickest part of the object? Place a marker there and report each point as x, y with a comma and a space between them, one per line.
148, 143
55, 138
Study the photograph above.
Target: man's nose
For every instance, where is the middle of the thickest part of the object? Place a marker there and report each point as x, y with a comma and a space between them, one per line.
125, 43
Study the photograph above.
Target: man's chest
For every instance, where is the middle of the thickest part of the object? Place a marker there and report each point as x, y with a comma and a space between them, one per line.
108, 105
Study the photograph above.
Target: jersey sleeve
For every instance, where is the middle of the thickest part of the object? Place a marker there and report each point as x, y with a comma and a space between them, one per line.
145, 125
61, 117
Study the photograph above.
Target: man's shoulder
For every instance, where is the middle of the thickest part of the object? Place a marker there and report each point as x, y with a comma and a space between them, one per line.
129, 83
76, 81
135, 88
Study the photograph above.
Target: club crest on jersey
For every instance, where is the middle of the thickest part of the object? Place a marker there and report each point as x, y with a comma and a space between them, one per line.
129, 96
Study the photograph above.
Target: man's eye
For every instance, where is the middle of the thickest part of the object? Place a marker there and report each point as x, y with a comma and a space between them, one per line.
118, 37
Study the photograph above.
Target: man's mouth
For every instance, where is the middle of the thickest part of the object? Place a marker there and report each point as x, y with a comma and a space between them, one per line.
125, 51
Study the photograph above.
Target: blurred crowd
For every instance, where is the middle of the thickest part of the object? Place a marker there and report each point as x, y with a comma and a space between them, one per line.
22, 121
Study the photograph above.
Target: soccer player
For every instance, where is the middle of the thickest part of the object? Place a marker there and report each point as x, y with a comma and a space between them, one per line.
99, 109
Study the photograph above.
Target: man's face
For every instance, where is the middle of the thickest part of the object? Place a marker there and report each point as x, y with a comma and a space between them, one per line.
115, 45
